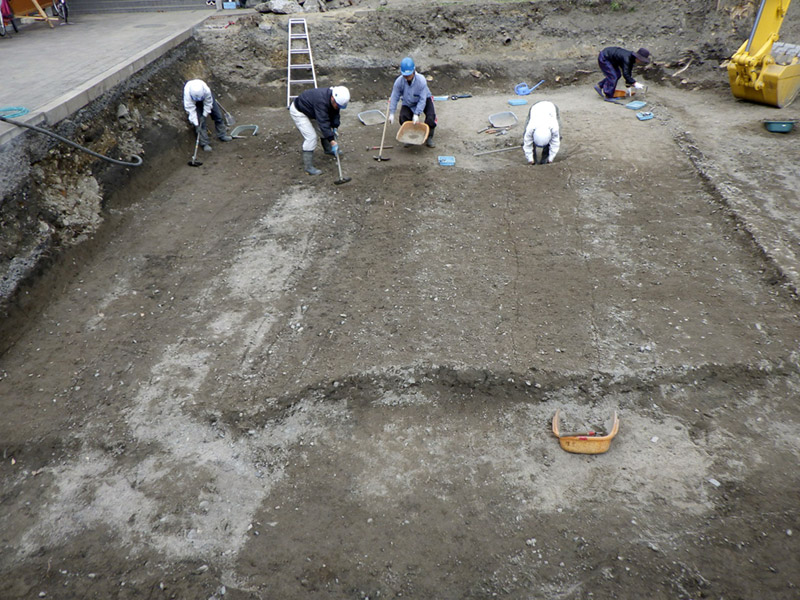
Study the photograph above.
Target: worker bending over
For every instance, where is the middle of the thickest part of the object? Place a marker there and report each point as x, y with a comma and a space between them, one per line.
199, 102
615, 61
315, 113
542, 130
412, 89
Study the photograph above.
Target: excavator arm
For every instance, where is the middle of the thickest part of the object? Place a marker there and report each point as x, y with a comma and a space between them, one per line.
764, 70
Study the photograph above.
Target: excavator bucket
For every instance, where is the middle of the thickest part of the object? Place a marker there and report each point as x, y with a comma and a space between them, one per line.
764, 70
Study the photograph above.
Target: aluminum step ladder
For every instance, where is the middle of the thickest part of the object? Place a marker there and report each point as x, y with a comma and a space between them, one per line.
300, 70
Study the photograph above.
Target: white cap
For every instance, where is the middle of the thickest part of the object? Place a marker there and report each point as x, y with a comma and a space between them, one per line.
196, 89
342, 95
541, 137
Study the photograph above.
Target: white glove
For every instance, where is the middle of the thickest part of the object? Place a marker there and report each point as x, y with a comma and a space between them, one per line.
415, 119
638, 86
194, 121
391, 117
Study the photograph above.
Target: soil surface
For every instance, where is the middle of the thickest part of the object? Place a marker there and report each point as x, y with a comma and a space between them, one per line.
246, 382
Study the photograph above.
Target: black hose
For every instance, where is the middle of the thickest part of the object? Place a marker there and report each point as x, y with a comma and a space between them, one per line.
73, 144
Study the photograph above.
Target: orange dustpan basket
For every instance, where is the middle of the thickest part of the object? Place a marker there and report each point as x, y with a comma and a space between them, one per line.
409, 133
585, 443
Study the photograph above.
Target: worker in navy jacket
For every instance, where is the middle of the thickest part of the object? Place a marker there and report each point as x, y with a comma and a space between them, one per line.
615, 61
315, 113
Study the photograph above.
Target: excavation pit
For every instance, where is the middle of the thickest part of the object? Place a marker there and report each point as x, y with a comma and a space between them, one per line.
254, 379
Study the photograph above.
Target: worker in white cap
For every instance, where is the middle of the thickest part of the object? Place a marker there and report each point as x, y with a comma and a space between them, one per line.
199, 102
315, 113
542, 130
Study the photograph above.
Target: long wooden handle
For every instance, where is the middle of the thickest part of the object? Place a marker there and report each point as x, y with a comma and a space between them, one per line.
385, 123
498, 150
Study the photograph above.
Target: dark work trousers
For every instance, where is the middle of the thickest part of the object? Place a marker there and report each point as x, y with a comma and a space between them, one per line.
545, 149
216, 116
612, 73
406, 114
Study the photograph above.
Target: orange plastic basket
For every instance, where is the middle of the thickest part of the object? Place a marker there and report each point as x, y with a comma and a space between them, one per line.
585, 443
413, 134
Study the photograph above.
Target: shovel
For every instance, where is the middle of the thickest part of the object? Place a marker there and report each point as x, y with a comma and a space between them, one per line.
341, 179
193, 162
230, 121
380, 156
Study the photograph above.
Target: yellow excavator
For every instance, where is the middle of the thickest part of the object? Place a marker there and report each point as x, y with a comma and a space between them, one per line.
765, 70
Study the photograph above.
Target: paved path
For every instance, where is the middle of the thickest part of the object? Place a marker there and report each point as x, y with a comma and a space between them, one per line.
55, 72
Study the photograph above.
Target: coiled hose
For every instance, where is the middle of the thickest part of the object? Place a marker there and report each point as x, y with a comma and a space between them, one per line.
18, 111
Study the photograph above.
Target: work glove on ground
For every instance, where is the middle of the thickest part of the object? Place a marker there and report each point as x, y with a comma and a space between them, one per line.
415, 119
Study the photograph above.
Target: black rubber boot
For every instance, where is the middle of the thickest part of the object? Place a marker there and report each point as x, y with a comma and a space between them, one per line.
308, 163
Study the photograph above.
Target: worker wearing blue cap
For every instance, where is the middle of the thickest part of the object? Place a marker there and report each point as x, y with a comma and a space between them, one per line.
412, 89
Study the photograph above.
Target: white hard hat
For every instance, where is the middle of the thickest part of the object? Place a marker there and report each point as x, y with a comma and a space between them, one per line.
197, 89
342, 95
541, 137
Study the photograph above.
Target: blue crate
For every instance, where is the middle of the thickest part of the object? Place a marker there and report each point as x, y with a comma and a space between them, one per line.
447, 161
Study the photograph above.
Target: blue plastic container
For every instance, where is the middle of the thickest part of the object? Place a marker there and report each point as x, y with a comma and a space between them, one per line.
447, 161
635, 104
779, 126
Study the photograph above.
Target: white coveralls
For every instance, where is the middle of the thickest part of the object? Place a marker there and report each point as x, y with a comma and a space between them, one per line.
543, 130
196, 93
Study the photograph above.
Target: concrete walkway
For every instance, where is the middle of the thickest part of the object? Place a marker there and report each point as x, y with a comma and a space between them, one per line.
55, 72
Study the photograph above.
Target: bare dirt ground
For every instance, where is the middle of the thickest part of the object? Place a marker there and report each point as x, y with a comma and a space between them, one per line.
252, 383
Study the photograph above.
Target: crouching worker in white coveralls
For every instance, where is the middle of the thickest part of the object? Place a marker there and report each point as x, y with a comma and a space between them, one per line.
315, 113
198, 102
542, 131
